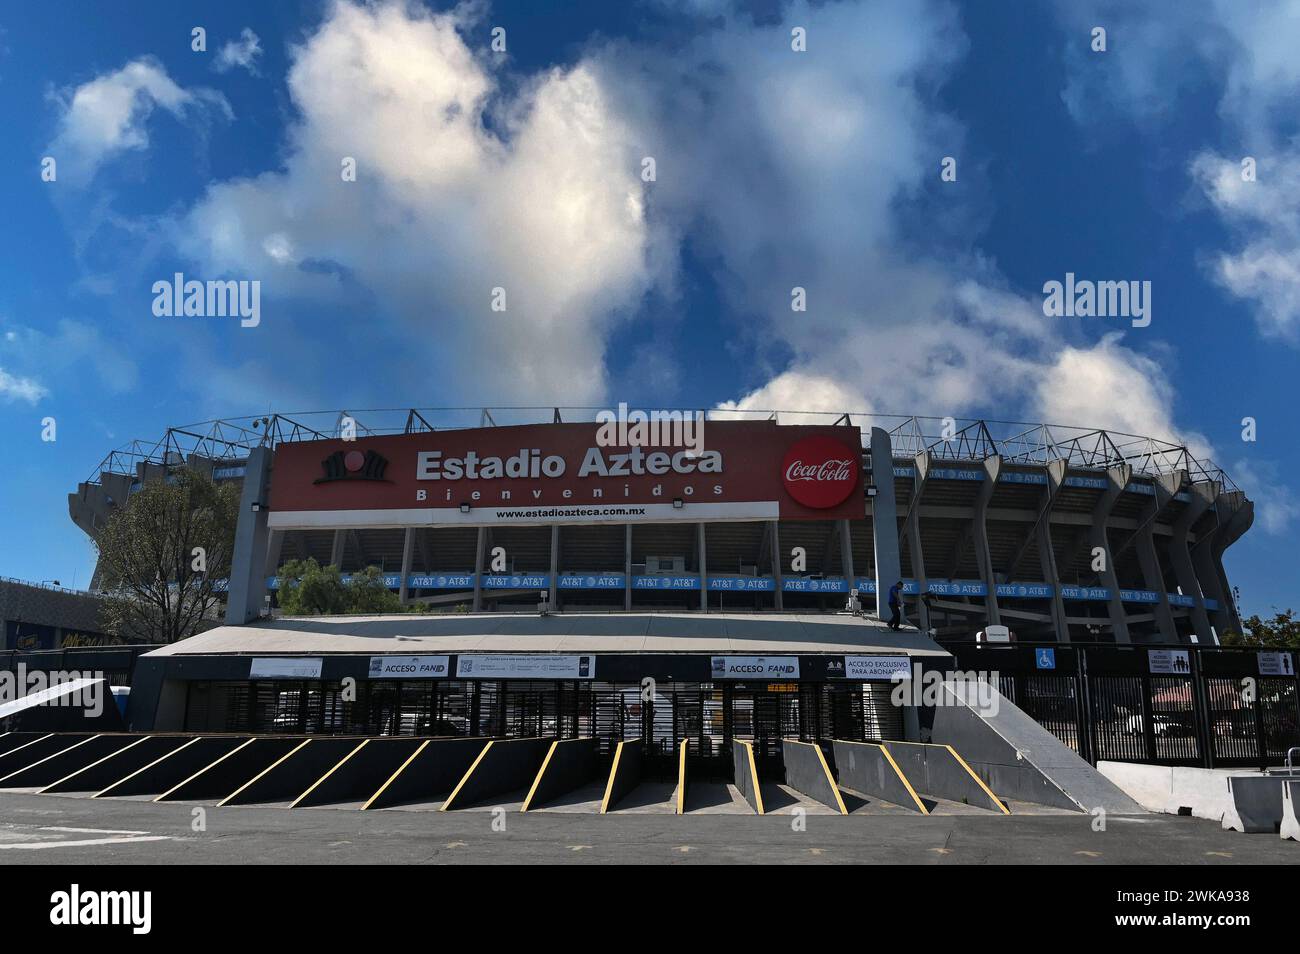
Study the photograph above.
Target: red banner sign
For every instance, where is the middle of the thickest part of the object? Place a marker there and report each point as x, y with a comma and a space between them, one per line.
562, 473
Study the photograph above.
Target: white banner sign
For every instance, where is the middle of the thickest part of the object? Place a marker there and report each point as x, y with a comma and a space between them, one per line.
1171, 662
525, 666
755, 667
284, 667
877, 667
408, 667
1275, 664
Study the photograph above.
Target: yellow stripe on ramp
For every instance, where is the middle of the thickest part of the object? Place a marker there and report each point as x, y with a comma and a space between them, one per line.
288, 754
613, 771
75, 745
528, 800
681, 780
311, 788
93, 764
903, 778
163, 757
979, 781
402, 768
753, 775
464, 778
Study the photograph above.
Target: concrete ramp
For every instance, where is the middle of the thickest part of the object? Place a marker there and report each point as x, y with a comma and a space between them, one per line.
1017, 758
868, 768
112, 768
12, 740
681, 778
938, 771
504, 766
569, 765
746, 777
806, 772
287, 778
170, 768
53, 767
62, 708
356, 777
429, 773
1255, 804
624, 773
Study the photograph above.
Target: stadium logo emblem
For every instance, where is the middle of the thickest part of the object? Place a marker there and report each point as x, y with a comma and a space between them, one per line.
820, 472
353, 465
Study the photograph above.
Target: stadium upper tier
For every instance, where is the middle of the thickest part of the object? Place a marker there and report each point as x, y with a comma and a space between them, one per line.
996, 522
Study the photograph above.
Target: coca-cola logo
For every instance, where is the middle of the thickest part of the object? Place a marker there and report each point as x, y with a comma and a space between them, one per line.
820, 472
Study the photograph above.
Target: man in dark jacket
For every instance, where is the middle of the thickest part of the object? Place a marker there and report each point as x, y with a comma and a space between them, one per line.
896, 605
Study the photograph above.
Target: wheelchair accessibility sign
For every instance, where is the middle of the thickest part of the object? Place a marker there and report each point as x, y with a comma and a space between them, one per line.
1045, 658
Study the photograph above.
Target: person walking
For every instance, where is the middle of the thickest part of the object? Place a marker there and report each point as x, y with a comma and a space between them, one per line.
896, 605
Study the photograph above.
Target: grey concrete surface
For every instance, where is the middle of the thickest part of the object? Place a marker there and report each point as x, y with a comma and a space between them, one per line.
36, 829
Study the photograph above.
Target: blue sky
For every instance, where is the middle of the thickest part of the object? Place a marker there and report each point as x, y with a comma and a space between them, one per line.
774, 168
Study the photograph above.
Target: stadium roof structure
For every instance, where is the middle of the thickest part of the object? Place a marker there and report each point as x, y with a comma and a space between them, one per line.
947, 439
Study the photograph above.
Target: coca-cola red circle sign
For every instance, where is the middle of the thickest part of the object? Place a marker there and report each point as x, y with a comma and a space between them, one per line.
820, 472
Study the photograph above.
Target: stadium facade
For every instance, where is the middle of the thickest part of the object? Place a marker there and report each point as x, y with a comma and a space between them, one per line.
1059, 533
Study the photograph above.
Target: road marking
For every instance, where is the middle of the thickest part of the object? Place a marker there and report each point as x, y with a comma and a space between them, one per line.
85, 843
816, 851
577, 847
1220, 854
942, 851
1090, 854
92, 831
682, 848
455, 844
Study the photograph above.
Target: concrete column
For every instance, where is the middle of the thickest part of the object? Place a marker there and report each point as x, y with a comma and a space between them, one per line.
1200, 496
1240, 515
913, 527
408, 551
884, 519
1047, 555
480, 549
555, 566
1117, 478
846, 553
273, 550
778, 575
980, 537
627, 567
1165, 486
704, 569
339, 548
247, 589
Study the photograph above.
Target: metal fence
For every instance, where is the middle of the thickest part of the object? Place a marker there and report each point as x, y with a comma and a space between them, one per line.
114, 663
1165, 705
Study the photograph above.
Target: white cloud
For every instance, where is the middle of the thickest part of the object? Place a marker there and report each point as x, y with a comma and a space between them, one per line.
462, 187
108, 115
65, 352
1276, 505
240, 53
15, 388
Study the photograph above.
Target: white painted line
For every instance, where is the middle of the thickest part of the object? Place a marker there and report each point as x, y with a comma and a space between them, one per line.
32, 846
93, 831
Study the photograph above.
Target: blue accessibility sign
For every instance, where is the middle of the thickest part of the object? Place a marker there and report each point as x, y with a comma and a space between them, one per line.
1045, 658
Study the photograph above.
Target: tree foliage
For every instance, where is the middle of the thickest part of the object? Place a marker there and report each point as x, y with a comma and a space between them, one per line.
308, 589
1282, 630
160, 554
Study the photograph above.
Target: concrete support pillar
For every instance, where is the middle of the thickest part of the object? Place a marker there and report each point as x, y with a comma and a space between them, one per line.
273, 550
247, 589
704, 569
1200, 495
846, 553
555, 566
1165, 488
480, 551
1117, 479
1047, 554
778, 577
408, 552
339, 548
1240, 514
980, 537
627, 567
884, 519
913, 527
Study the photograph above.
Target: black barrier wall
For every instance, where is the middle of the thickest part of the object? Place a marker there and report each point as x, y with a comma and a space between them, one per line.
570, 764
359, 775
806, 771
170, 769
288, 778
229, 766
431, 773
746, 777
54, 767
624, 773
504, 766
12, 740
38, 748
101, 774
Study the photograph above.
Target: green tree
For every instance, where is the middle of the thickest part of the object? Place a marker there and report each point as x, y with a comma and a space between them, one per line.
369, 593
1282, 631
161, 553
308, 589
